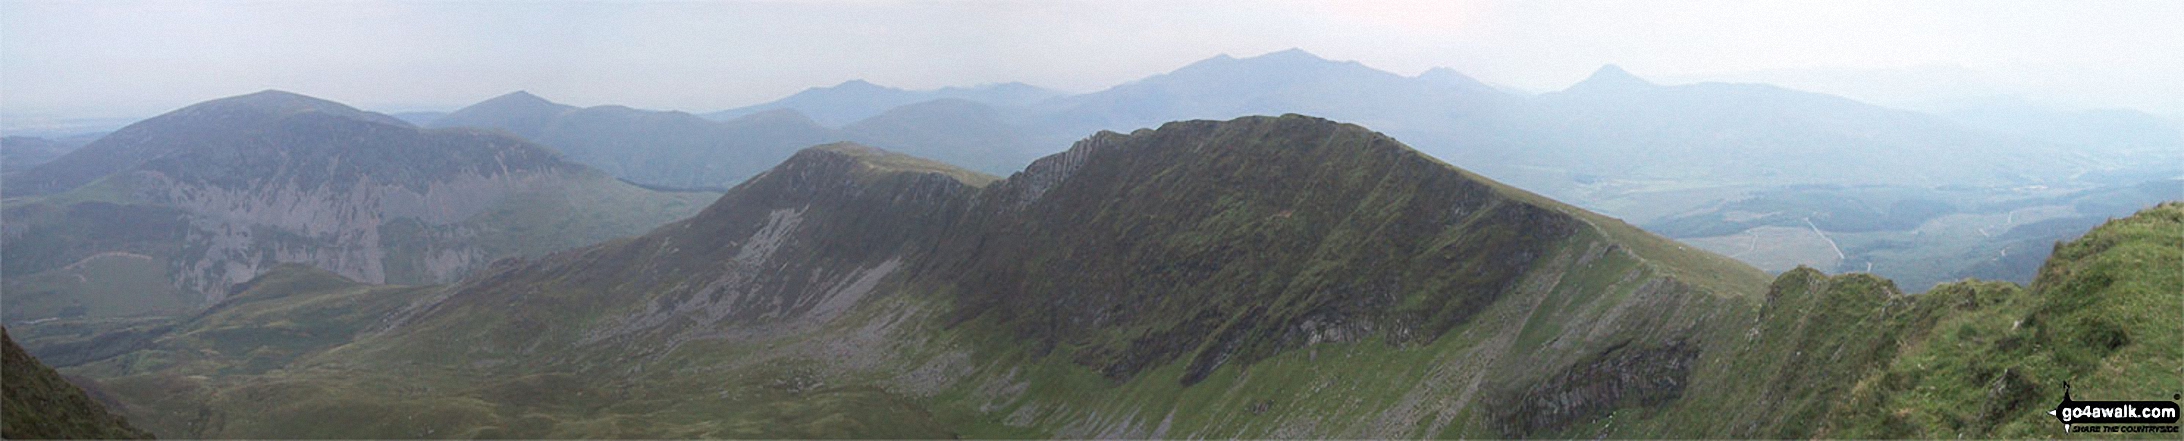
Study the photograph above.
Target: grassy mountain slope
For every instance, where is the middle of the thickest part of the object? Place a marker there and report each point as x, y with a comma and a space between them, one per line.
2102, 316
43, 405
1851, 356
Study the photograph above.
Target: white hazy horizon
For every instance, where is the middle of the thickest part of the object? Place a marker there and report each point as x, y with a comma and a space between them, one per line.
72, 60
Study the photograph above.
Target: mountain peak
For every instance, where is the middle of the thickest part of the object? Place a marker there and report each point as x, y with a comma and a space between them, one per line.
1611, 77
1291, 58
518, 112
272, 102
520, 96
515, 101
875, 162
1290, 54
270, 95
859, 85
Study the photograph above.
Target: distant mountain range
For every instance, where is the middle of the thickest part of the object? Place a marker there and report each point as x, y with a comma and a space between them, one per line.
671, 149
856, 100
679, 150
1614, 142
1261, 277
18, 153
1617, 143
170, 213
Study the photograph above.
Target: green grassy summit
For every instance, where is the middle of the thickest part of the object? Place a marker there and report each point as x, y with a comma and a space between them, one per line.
885, 161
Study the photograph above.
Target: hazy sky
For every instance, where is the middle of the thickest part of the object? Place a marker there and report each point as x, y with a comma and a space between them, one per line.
114, 58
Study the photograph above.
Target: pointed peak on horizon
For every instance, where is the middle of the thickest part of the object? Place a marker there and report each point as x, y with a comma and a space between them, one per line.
520, 99
520, 96
1615, 73
1444, 73
1290, 54
1611, 77
858, 83
498, 110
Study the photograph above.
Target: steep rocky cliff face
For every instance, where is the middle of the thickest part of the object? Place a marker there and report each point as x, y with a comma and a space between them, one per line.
220, 192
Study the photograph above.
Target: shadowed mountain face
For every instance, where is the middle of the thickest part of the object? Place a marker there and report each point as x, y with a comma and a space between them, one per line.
170, 212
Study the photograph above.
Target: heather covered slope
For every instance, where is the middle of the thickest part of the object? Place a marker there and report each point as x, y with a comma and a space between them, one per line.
195, 201
42, 405
1851, 356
